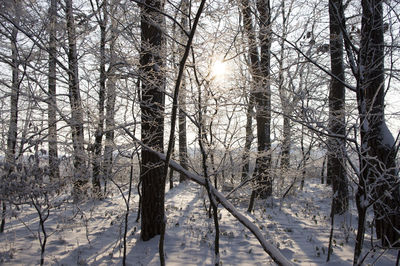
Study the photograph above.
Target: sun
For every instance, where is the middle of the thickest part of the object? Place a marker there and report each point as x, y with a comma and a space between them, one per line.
219, 69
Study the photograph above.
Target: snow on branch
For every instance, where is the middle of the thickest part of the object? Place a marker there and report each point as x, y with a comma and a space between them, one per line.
272, 251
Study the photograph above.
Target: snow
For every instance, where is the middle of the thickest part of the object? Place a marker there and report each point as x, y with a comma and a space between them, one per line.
91, 233
387, 137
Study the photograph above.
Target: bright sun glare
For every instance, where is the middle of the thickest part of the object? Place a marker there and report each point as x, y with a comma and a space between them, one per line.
218, 69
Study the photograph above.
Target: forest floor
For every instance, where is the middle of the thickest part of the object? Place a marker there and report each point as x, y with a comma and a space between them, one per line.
91, 233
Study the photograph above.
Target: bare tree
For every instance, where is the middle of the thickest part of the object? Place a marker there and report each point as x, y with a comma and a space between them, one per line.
15, 92
262, 95
102, 19
183, 153
76, 119
336, 172
110, 98
249, 30
52, 79
382, 172
152, 107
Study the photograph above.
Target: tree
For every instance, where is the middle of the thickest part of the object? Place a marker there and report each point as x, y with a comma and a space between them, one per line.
110, 99
102, 20
152, 107
381, 172
52, 79
15, 93
76, 120
262, 95
183, 156
336, 172
254, 70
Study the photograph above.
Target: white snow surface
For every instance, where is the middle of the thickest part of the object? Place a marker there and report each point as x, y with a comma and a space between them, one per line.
297, 226
386, 135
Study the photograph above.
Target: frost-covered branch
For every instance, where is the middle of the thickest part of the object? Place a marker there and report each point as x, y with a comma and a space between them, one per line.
272, 251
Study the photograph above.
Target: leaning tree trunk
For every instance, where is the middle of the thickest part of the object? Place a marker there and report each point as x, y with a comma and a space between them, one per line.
76, 121
382, 169
152, 107
336, 172
52, 105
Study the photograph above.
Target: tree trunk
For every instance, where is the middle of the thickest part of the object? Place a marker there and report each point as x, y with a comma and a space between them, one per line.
52, 105
249, 139
152, 107
382, 170
336, 172
15, 92
102, 90
76, 121
110, 102
259, 68
183, 156
263, 103
286, 141
283, 95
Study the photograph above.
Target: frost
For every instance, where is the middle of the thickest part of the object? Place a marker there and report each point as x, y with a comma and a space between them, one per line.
365, 125
217, 259
386, 136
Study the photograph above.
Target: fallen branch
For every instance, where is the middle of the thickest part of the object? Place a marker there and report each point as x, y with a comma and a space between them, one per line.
272, 251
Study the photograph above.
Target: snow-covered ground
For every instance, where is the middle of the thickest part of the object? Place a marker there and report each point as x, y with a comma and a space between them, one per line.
91, 233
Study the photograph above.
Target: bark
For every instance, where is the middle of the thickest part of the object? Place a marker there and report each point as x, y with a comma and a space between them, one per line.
286, 108
152, 107
76, 121
102, 91
259, 68
52, 105
269, 248
336, 172
286, 141
263, 103
382, 170
110, 103
15, 92
183, 156
255, 75
248, 141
